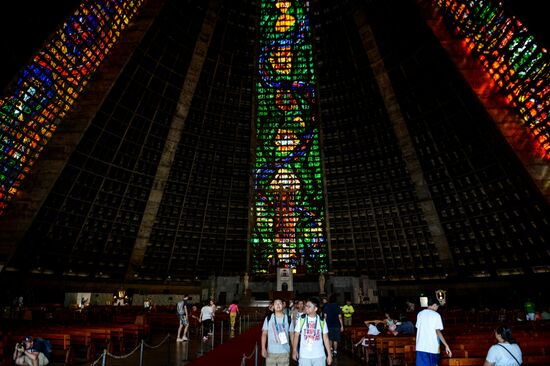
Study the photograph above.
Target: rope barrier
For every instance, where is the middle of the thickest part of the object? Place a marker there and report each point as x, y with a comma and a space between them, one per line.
126, 355
118, 357
245, 357
168, 336
97, 361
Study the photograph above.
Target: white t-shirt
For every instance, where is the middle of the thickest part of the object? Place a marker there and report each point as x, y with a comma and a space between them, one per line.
274, 328
206, 312
311, 337
427, 322
373, 330
501, 357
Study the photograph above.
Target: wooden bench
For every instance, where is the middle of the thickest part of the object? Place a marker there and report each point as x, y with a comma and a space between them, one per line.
366, 349
61, 346
400, 351
462, 361
537, 360
81, 344
391, 349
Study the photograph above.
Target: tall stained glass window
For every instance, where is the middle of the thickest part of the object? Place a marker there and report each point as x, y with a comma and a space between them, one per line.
515, 60
288, 211
48, 87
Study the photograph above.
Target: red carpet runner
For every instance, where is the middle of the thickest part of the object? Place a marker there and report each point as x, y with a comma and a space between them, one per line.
231, 352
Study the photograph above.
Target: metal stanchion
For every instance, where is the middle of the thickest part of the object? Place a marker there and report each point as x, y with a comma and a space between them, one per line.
256, 355
141, 354
240, 324
169, 348
221, 332
213, 332
104, 361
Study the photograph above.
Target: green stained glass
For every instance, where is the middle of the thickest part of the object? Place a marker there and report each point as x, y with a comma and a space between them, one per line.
289, 214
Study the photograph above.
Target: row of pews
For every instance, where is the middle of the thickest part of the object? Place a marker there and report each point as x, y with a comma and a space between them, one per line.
469, 344
80, 343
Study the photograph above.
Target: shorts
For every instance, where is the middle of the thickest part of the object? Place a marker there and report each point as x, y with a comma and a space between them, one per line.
183, 319
321, 361
426, 359
334, 334
277, 359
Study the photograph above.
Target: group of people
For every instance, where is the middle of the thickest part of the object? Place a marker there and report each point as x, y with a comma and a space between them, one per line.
403, 326
534, 313
429, 337
309, 331
205, 317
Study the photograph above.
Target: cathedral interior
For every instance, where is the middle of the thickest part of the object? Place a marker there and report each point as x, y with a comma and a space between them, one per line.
140, 171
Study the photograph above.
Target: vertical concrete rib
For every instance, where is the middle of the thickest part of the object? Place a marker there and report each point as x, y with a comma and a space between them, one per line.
173, 139
405, 143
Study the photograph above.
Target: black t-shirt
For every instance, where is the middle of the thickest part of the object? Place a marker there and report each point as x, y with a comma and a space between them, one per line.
332, 310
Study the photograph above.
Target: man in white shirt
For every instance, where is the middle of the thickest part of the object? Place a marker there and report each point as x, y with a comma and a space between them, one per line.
207, 318
428, 335
275, 338
311, 343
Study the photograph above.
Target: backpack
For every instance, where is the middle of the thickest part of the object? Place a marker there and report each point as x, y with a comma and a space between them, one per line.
303, 320
44, 346
181, 307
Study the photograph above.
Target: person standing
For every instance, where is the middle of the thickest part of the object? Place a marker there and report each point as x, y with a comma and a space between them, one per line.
206, 319
428, 335
506, 352
183, 316
529, 307
233, 312
194, 318
348, 311
275, 337
333, 317
311, 338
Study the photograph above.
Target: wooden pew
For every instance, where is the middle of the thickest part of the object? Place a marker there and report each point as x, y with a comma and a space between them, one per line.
536, 360
61, 347
391, 349
109, 338
81, 344
367, 348
459, 361
399, 351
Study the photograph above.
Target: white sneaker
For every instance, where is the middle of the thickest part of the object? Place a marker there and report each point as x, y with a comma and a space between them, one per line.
185, 338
